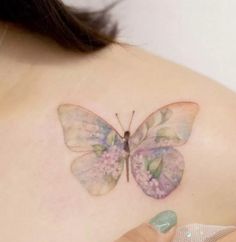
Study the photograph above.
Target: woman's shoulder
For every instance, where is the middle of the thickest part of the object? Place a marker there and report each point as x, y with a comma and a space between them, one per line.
118, 72
109, 80
115, 80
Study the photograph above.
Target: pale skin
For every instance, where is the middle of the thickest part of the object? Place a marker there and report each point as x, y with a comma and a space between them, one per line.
36, 184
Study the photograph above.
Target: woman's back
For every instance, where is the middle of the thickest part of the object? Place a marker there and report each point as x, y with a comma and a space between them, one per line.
40, 198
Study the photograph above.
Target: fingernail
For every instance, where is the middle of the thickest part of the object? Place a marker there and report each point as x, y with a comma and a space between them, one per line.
164, 221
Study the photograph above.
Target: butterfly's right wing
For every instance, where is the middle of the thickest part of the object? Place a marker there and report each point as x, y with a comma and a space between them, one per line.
99, 167
155, 164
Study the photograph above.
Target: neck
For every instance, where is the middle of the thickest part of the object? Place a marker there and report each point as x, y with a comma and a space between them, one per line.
3, 32
22, 45
23, 51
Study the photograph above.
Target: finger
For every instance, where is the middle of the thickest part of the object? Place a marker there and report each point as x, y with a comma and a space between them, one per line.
161, 228
142, 233
166, 237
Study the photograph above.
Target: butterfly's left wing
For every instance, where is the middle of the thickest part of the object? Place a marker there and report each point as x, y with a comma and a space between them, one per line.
156, 165
100, 148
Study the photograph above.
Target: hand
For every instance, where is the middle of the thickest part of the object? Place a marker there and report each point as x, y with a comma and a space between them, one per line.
161, 228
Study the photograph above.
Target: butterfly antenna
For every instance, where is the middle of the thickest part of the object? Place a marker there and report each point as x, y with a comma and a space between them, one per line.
122, 127
131, 119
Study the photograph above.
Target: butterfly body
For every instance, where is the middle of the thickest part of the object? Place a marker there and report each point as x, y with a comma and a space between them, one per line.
126, 141
127, 149
156, 165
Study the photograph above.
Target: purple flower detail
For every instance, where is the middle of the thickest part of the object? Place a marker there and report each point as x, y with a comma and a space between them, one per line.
171, 174
109, 164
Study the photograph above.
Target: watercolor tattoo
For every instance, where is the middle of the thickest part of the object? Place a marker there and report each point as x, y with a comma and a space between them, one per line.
155, 164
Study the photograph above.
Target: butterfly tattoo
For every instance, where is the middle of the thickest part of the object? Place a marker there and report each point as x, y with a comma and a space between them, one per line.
149, 152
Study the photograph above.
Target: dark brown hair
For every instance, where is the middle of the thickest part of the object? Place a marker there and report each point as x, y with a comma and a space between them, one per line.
72, 28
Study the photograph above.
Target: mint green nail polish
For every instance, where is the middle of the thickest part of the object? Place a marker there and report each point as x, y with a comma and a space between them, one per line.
164, 221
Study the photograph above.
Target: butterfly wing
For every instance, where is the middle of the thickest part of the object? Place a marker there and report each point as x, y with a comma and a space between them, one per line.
99, 167
156, 166
158, 171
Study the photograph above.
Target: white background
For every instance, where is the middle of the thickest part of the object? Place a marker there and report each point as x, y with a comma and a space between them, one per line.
200, 34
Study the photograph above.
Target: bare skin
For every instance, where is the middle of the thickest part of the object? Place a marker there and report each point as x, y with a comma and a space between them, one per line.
40, 200
229, 238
